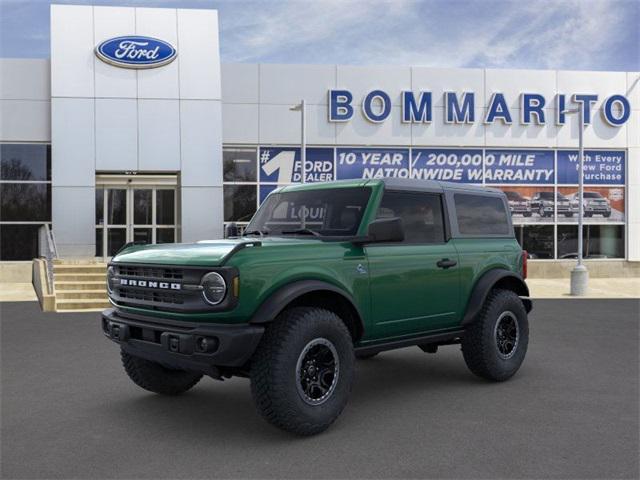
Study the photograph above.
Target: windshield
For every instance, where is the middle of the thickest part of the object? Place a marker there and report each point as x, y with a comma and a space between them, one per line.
326, 212
592, 195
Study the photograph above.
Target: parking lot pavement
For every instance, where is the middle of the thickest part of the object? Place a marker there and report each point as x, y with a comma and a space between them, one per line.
69, 411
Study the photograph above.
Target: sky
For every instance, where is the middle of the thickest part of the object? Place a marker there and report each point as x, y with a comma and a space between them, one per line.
534, 34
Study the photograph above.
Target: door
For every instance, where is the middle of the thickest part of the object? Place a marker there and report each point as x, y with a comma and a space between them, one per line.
134, 213
414, 284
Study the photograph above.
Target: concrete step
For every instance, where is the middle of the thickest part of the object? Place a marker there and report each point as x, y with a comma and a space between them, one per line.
80, 310
88, 303
79, 277
77, 261
79, 269
81, 294
93, 285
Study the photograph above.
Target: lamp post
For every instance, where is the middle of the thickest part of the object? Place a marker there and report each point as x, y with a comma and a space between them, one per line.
580, 274
303, 136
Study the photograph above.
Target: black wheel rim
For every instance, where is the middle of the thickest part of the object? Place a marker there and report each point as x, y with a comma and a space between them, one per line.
317, 371
507, 335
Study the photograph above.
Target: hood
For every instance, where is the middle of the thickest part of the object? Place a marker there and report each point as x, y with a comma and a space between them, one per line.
204, 253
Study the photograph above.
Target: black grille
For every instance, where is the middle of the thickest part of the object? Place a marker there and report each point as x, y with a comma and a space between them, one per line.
166, 288
158, 297
158, 273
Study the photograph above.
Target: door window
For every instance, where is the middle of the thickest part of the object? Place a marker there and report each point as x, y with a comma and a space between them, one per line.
421, 215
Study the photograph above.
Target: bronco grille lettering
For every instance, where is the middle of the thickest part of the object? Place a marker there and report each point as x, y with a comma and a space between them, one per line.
144, 283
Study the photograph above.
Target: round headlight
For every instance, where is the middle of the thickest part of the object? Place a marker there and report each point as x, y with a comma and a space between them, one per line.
111, 273
214, 288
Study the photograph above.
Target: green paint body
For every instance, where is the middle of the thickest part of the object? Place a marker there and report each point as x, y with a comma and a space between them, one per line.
397, 288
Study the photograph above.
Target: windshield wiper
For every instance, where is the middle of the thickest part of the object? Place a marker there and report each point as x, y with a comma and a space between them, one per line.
304, 231
262, 233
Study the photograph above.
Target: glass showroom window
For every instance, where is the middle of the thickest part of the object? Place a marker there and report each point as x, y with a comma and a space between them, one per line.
240, 184
25, 198
598, 241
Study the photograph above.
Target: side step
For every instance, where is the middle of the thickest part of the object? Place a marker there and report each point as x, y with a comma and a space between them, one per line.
440, 337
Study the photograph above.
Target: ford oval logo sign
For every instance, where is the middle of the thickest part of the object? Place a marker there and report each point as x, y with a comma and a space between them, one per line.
135, 51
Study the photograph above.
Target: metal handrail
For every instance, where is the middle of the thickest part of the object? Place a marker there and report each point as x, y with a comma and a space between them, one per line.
50, 250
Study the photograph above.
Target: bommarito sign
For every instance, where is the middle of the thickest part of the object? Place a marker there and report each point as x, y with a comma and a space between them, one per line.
460, 108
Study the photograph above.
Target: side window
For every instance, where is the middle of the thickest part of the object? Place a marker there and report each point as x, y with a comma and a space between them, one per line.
481, 215
421, 215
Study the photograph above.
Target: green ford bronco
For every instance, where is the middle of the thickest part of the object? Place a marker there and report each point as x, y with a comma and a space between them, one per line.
322, 275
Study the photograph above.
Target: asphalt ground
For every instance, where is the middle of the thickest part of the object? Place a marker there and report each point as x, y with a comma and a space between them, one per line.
69, 411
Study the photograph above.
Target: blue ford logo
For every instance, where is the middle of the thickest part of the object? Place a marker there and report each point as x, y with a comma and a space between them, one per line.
134, 51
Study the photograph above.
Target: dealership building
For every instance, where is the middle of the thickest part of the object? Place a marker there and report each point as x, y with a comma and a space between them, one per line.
105, 151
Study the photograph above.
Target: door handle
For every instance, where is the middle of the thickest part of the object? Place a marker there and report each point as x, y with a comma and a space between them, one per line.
446, 263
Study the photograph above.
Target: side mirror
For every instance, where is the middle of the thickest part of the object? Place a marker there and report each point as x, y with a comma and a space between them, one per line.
386, 230
231, 230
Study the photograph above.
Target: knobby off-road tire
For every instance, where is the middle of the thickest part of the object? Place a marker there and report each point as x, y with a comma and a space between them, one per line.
285, 392
494, 346
156, 378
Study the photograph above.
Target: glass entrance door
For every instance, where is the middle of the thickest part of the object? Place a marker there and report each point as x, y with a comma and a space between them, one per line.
134, 213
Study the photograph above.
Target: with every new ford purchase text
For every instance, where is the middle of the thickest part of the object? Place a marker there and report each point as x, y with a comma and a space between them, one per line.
322, 275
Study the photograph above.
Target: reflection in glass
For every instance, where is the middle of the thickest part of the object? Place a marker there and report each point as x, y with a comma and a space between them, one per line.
598, 241
142, 207
117, 207
239, 202
537, 240
116, 238
99, 242
165, 235
25, 162
100, 206
143, 235
239, 164
165, 207
25, 202
18, 242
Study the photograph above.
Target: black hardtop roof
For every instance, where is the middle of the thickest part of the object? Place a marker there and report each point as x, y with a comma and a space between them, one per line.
435, 185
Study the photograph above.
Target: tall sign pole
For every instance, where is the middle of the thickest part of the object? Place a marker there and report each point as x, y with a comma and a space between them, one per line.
580, 274
303, 140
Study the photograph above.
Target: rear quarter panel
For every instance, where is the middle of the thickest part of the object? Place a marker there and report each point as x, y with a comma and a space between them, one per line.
477, 256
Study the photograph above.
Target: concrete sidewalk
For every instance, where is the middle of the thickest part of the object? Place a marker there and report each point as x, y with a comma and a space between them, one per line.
540, 288
598, 288
17, 292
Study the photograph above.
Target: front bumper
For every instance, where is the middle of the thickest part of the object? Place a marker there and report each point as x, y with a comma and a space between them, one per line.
597, 209
520, 209
188, 346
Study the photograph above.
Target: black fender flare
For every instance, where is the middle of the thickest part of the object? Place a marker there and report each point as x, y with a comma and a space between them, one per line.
278, 300
484, 285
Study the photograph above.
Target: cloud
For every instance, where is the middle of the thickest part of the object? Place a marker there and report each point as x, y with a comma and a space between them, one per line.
570, 34
546, 34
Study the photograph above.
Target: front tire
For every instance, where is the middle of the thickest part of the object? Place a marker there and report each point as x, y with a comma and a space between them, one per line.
156, 378
495, 345
302, 371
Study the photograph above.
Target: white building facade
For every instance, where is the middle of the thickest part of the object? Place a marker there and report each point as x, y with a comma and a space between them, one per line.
107, 155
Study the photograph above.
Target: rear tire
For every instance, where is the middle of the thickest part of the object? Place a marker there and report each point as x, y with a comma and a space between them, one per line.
302, 371
156, 378
495, 345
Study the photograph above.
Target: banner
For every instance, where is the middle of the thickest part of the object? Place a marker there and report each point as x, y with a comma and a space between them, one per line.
264, 191
463, 166
518, 167
372, 163
282, 165
600, 167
